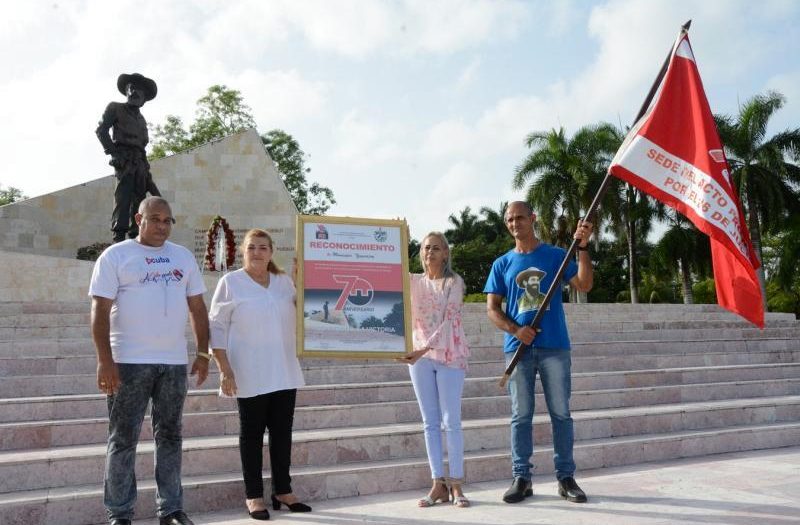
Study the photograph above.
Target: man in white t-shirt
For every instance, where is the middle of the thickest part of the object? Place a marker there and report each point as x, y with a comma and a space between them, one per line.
143, 291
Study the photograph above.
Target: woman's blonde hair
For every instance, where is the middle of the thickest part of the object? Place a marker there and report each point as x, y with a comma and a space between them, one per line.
258, 233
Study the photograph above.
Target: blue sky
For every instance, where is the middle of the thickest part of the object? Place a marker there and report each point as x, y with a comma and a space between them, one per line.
413, 109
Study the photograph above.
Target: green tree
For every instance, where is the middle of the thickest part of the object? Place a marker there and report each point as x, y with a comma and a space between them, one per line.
494, 222
782, 266
466, 226
473, 259
289, 159
767, 181
609, 271
563, 175
680, 250
222, 112
10, 195
634, 216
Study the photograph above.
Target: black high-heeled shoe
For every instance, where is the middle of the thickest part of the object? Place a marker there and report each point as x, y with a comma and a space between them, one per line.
260, 515
294, 507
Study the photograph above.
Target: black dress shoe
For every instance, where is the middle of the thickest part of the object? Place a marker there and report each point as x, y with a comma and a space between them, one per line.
176, 518
570, 491
520, 489
120, 521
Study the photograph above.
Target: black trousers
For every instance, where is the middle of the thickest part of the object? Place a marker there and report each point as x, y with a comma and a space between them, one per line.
273, 413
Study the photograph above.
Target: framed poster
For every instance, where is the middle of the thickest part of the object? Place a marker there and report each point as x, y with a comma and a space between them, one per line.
352, 287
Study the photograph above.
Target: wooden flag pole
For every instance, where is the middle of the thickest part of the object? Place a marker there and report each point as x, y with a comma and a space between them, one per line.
601, 191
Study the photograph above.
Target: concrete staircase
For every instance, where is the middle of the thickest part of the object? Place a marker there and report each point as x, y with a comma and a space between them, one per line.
651, 382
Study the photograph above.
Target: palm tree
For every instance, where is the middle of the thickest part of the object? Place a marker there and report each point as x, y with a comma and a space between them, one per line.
494, 222
683, 248
466, 226
563, 175
566, 173
764, 177
635, 215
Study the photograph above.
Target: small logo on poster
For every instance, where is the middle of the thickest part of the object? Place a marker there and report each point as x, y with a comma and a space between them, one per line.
322, 232
381, 235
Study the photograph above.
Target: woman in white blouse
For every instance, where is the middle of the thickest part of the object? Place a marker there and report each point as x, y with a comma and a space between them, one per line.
252, 319
439, 365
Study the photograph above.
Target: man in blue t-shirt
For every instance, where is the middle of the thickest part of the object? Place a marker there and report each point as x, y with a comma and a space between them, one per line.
522, 277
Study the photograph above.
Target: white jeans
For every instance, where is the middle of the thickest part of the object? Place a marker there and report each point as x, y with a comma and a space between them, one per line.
438, 389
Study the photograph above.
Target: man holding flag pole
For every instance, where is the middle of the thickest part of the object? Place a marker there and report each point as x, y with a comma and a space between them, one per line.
673, 153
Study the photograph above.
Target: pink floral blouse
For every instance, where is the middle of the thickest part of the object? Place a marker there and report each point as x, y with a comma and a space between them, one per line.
436, 319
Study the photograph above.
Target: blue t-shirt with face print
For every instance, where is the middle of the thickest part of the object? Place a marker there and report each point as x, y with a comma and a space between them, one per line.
523, 280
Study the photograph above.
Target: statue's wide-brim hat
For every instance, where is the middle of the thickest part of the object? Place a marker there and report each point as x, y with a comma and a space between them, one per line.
148, 85
530, 272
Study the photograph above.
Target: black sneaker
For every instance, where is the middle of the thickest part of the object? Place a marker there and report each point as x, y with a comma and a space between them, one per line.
570, 491
520, 489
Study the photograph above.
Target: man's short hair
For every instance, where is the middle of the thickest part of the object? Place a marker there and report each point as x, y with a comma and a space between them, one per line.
151, 201
523, 204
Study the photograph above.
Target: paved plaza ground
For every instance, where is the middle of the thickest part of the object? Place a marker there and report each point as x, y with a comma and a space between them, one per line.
746, 488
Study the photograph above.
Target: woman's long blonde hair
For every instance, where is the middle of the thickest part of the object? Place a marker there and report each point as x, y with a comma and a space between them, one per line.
258, 233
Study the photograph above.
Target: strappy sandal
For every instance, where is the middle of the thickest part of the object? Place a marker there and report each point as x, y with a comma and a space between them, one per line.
461, 500
430, 500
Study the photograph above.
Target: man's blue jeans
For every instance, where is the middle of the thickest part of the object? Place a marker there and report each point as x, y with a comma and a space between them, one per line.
166, 385
554, 369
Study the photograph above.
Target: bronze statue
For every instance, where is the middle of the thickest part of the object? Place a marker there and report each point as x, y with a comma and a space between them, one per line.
127, 149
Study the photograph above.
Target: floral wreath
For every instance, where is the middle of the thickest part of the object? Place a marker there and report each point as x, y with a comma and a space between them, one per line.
211, 244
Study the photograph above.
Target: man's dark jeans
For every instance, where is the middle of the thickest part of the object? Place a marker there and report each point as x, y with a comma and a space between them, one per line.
166, 385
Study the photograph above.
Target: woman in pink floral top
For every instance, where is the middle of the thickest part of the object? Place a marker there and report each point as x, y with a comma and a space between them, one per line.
438, 365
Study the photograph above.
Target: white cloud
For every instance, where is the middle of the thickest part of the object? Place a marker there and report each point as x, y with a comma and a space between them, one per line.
363, 143
789, 116
468, 75
281, 97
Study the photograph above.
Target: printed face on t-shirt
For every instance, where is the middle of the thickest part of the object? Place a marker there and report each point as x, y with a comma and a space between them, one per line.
530, 281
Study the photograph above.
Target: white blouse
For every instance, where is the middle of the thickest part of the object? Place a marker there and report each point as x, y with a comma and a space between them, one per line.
256, 327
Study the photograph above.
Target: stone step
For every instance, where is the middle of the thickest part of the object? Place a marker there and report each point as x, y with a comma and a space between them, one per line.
626, 325
36, 434
75, 322
82, 504
686, 334
45, 315
652, 341
389, 370
64, 466
84, 347
82, 331
50, 385
93, 404
15, 308
474, 322
45, 320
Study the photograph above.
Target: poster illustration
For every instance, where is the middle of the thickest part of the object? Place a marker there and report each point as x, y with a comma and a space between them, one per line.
352, 298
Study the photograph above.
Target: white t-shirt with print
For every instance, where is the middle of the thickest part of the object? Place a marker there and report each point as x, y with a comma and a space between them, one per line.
256, 328
149, 286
